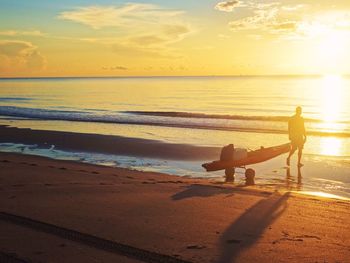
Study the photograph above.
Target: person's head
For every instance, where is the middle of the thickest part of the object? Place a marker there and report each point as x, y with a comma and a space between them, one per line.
298, 110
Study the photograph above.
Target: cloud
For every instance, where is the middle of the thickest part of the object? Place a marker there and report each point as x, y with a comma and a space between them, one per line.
168, 34
254, 5
260, 18
11, 33
119, 16
286, 26
21, 54
292, 8
290, 22
115, 68
228, 6
175, 31
273, 18
134, 51
145, 30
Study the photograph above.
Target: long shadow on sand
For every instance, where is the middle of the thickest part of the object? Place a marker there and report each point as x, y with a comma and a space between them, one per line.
198, 190
249, 227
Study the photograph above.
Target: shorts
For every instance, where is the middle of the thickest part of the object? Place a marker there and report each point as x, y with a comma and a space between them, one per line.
297, 142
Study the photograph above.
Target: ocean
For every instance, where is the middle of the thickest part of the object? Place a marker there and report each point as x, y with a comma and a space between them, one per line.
202, 111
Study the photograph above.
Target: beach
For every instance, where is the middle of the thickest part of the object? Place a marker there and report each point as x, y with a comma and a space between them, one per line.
174, 131
184, 219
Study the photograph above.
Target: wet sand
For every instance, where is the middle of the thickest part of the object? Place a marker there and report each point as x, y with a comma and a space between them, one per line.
107, 144
63, 211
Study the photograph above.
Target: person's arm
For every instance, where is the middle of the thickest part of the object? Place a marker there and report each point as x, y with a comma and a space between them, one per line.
304, 131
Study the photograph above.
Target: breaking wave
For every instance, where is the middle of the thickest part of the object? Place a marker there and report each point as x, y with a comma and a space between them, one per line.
259, 124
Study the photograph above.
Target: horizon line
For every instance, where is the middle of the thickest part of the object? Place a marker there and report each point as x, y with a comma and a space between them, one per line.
173, 76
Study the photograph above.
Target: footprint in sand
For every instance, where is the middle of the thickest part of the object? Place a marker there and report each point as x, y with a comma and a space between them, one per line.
106, 184
308, 236
18, 185
195, 247
148, 182
63, 168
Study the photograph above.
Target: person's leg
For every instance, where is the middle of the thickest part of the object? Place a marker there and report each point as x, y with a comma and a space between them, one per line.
300, 153
292, 151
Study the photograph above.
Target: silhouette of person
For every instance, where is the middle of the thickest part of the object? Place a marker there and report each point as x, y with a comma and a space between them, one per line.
297, 135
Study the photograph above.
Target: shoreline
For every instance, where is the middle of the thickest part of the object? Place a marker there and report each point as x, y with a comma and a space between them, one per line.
194, 220
216, 179
109, 144
321, 175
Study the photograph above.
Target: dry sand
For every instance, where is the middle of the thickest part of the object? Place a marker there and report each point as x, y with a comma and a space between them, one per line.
101, 214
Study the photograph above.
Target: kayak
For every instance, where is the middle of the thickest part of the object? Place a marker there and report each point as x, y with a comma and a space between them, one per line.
257, 156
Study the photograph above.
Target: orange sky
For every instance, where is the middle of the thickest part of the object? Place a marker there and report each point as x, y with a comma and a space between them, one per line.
109, 38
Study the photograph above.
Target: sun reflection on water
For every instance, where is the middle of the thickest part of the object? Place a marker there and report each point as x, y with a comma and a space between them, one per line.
331, 99
331, 103
322, 195
331, 146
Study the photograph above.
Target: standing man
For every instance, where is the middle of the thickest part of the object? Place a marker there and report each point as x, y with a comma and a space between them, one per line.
297, 135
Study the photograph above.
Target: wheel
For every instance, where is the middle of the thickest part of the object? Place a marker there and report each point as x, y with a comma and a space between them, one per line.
250, 175
230, 174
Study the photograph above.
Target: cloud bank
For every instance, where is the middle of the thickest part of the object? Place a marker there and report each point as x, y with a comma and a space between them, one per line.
119, 16
12, 33
17, 54
140, 29
290, 22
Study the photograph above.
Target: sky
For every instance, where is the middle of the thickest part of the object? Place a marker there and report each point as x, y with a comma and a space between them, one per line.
41, 38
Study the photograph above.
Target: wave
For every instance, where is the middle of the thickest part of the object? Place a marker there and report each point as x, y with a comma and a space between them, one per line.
256, 124
12, 99
180, 114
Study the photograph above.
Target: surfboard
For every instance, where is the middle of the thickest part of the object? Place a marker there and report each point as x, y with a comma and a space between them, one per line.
257, 156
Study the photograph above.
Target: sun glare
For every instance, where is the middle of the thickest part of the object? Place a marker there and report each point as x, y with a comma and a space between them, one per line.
332, 48
329, 43
331, 100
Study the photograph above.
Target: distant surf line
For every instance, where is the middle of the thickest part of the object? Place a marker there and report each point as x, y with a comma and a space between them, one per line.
164, 119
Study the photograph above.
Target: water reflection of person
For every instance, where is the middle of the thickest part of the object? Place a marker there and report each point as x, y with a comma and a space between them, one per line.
300, 181
289, 180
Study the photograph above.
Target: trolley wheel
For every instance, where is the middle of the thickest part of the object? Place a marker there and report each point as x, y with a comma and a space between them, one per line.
230, 174
250, 174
